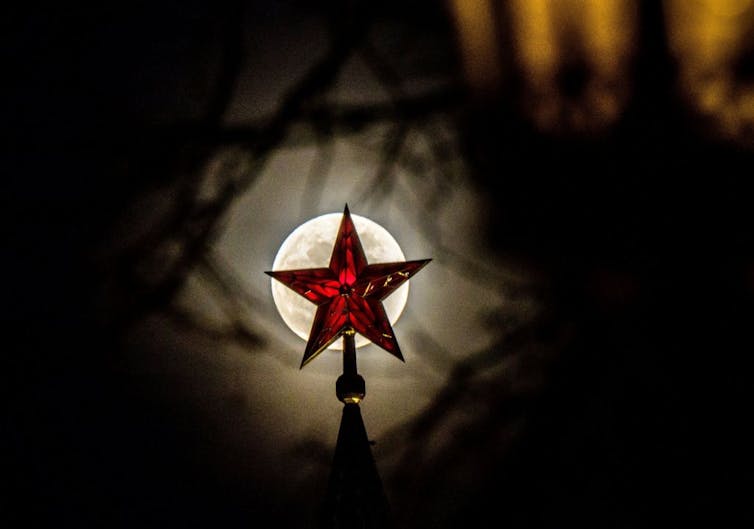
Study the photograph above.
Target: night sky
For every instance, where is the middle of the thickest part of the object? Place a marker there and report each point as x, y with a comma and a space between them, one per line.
577, 353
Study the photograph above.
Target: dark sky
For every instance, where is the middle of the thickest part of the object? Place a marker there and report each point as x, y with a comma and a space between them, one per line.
613, 390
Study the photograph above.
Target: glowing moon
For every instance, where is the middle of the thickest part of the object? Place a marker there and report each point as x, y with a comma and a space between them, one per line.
310, 246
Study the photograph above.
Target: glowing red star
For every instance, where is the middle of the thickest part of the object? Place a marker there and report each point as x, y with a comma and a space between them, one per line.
349, 293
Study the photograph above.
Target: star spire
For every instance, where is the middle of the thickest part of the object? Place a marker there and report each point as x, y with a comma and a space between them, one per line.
349, 293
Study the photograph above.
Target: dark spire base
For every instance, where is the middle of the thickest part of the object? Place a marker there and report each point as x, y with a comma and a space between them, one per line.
355, 497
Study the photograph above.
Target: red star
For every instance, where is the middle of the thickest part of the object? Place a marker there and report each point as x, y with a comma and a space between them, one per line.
349, 293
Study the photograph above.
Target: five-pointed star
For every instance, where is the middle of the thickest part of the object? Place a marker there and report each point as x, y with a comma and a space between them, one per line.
349, 293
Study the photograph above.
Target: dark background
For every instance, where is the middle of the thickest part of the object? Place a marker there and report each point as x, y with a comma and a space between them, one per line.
643, 236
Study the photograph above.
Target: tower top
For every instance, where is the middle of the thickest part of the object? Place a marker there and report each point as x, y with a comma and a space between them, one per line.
355, 496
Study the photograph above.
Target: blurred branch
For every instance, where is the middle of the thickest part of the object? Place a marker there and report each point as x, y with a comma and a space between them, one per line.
344, 119
317, 175
191, 224
383, 180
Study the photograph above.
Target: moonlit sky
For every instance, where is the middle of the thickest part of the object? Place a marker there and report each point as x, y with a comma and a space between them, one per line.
577, 352
396, 392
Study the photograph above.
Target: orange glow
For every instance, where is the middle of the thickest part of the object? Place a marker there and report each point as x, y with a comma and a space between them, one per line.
477, 36
535, 38
708, 37
551, 36
609, 28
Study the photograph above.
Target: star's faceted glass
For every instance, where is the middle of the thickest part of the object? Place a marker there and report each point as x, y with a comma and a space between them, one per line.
349, 293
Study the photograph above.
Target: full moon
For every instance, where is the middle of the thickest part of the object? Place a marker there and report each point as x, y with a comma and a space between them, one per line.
310, 246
